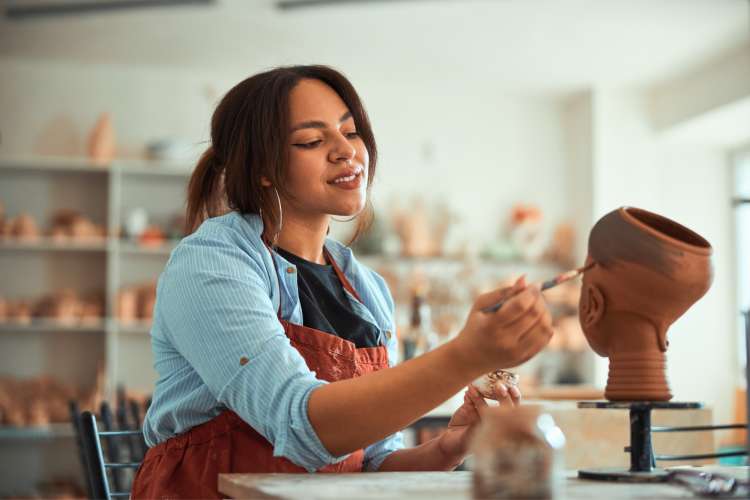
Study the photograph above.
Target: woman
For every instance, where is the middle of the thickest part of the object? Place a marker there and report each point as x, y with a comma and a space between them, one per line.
274, 346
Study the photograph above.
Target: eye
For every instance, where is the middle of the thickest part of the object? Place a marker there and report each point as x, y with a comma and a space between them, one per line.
352, 135
308, 145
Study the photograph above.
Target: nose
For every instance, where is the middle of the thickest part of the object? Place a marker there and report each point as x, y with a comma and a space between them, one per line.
343, 151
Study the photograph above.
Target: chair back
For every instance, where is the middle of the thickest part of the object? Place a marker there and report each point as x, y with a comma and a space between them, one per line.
110, 455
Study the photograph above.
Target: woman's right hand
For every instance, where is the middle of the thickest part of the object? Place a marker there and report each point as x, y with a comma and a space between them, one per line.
509, 336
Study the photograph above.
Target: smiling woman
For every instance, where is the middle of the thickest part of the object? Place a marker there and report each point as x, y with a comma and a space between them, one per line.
233, 175
275, 347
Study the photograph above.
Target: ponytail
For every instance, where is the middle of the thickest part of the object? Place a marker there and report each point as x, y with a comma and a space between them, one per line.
206, 196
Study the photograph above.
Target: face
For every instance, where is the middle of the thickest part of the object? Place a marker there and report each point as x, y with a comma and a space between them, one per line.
328, 161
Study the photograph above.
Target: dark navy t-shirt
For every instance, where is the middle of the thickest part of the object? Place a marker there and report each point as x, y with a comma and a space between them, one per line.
324, 303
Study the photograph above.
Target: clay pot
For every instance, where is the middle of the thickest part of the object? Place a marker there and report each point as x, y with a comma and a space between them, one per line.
649, 270
127, 305
101, 147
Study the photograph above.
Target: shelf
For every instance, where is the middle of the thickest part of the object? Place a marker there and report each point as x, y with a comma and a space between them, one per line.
52, 431
52, 245
61, 164
130, 247
52, 326
39, 325
54, 164
155, 168
133, 328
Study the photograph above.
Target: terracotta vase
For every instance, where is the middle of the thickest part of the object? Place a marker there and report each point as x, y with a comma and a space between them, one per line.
649, 270
102, 140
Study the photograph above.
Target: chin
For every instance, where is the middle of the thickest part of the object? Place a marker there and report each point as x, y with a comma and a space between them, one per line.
349, 210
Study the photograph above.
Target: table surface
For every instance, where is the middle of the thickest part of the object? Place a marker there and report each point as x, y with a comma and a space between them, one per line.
418, 485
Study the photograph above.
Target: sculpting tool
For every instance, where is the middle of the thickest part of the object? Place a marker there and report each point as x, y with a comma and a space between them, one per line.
560, 278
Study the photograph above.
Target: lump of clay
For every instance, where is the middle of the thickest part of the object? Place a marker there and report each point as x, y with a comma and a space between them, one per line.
487, 382
517, 453
649, 270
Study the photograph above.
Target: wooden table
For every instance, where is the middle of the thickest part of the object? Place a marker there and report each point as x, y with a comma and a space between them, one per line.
417, 485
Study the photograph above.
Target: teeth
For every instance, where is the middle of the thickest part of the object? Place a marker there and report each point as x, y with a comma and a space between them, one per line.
345, 179
348, 178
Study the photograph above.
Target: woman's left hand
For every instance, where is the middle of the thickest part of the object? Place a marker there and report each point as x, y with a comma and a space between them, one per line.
454, 441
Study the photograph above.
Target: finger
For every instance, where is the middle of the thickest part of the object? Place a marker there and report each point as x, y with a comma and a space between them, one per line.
543, 325
491, 298
537, 339
477, 399
502, 395
518, 306
515, 394
525, 325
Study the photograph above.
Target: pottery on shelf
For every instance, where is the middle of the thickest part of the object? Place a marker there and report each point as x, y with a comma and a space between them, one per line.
648, 271
101, 147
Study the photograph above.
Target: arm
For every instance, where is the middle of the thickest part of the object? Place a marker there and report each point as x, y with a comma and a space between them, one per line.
389, 400
426, 456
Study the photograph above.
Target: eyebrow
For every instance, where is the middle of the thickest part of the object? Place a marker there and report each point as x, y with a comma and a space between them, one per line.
319, 124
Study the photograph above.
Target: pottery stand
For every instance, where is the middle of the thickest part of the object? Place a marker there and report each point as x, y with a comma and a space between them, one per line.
642, 459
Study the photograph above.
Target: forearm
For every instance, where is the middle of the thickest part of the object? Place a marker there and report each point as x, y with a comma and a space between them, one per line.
426, 456
350, 414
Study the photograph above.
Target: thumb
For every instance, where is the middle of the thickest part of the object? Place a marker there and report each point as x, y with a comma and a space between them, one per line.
491, 298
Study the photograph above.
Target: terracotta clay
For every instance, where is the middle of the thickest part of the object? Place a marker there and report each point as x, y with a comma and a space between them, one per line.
649, 270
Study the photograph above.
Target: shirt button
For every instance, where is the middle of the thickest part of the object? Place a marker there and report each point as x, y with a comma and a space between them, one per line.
289, 270
388, 334
243, 361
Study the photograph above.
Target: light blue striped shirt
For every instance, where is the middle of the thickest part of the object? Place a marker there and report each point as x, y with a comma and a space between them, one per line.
216, 302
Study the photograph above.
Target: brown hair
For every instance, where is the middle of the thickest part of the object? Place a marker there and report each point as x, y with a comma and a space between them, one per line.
249, 135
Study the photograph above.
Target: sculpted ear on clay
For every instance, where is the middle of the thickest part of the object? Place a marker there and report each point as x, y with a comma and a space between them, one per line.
591, 310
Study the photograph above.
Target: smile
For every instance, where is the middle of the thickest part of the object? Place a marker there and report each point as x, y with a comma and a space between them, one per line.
348, 178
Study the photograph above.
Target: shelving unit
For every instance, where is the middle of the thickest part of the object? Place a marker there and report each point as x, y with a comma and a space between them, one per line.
29, 269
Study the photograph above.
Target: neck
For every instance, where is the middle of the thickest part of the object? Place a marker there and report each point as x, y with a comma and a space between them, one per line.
304, 237
637, 365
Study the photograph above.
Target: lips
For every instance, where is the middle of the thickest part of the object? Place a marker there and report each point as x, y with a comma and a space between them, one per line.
347, 176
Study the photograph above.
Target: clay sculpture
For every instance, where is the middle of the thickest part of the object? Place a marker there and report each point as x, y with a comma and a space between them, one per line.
648, 271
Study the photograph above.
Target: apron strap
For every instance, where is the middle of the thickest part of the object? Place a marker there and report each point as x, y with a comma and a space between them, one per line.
342, 278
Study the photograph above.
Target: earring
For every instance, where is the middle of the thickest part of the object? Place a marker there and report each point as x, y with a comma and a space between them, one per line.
281, 216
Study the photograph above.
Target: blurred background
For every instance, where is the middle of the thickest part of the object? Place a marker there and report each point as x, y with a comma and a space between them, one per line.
505, 128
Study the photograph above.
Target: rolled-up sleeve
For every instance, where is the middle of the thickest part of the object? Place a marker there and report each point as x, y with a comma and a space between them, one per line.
215, 300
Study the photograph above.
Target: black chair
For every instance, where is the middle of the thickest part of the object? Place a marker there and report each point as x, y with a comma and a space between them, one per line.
122, 445
100, 470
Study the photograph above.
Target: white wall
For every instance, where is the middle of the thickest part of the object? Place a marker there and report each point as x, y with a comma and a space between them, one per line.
487, 149
702, 359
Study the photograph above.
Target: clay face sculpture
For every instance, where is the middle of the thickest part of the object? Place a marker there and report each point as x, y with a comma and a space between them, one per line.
649, 270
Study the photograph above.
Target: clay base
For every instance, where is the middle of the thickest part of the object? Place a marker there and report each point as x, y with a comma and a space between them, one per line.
638, 376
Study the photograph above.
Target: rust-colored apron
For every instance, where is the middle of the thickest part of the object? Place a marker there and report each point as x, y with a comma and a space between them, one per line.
188, 465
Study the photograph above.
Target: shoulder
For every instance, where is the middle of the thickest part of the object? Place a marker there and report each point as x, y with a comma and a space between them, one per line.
221, 243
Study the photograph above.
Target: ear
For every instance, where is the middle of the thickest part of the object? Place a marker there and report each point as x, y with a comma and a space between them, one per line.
265, 182
592, 305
